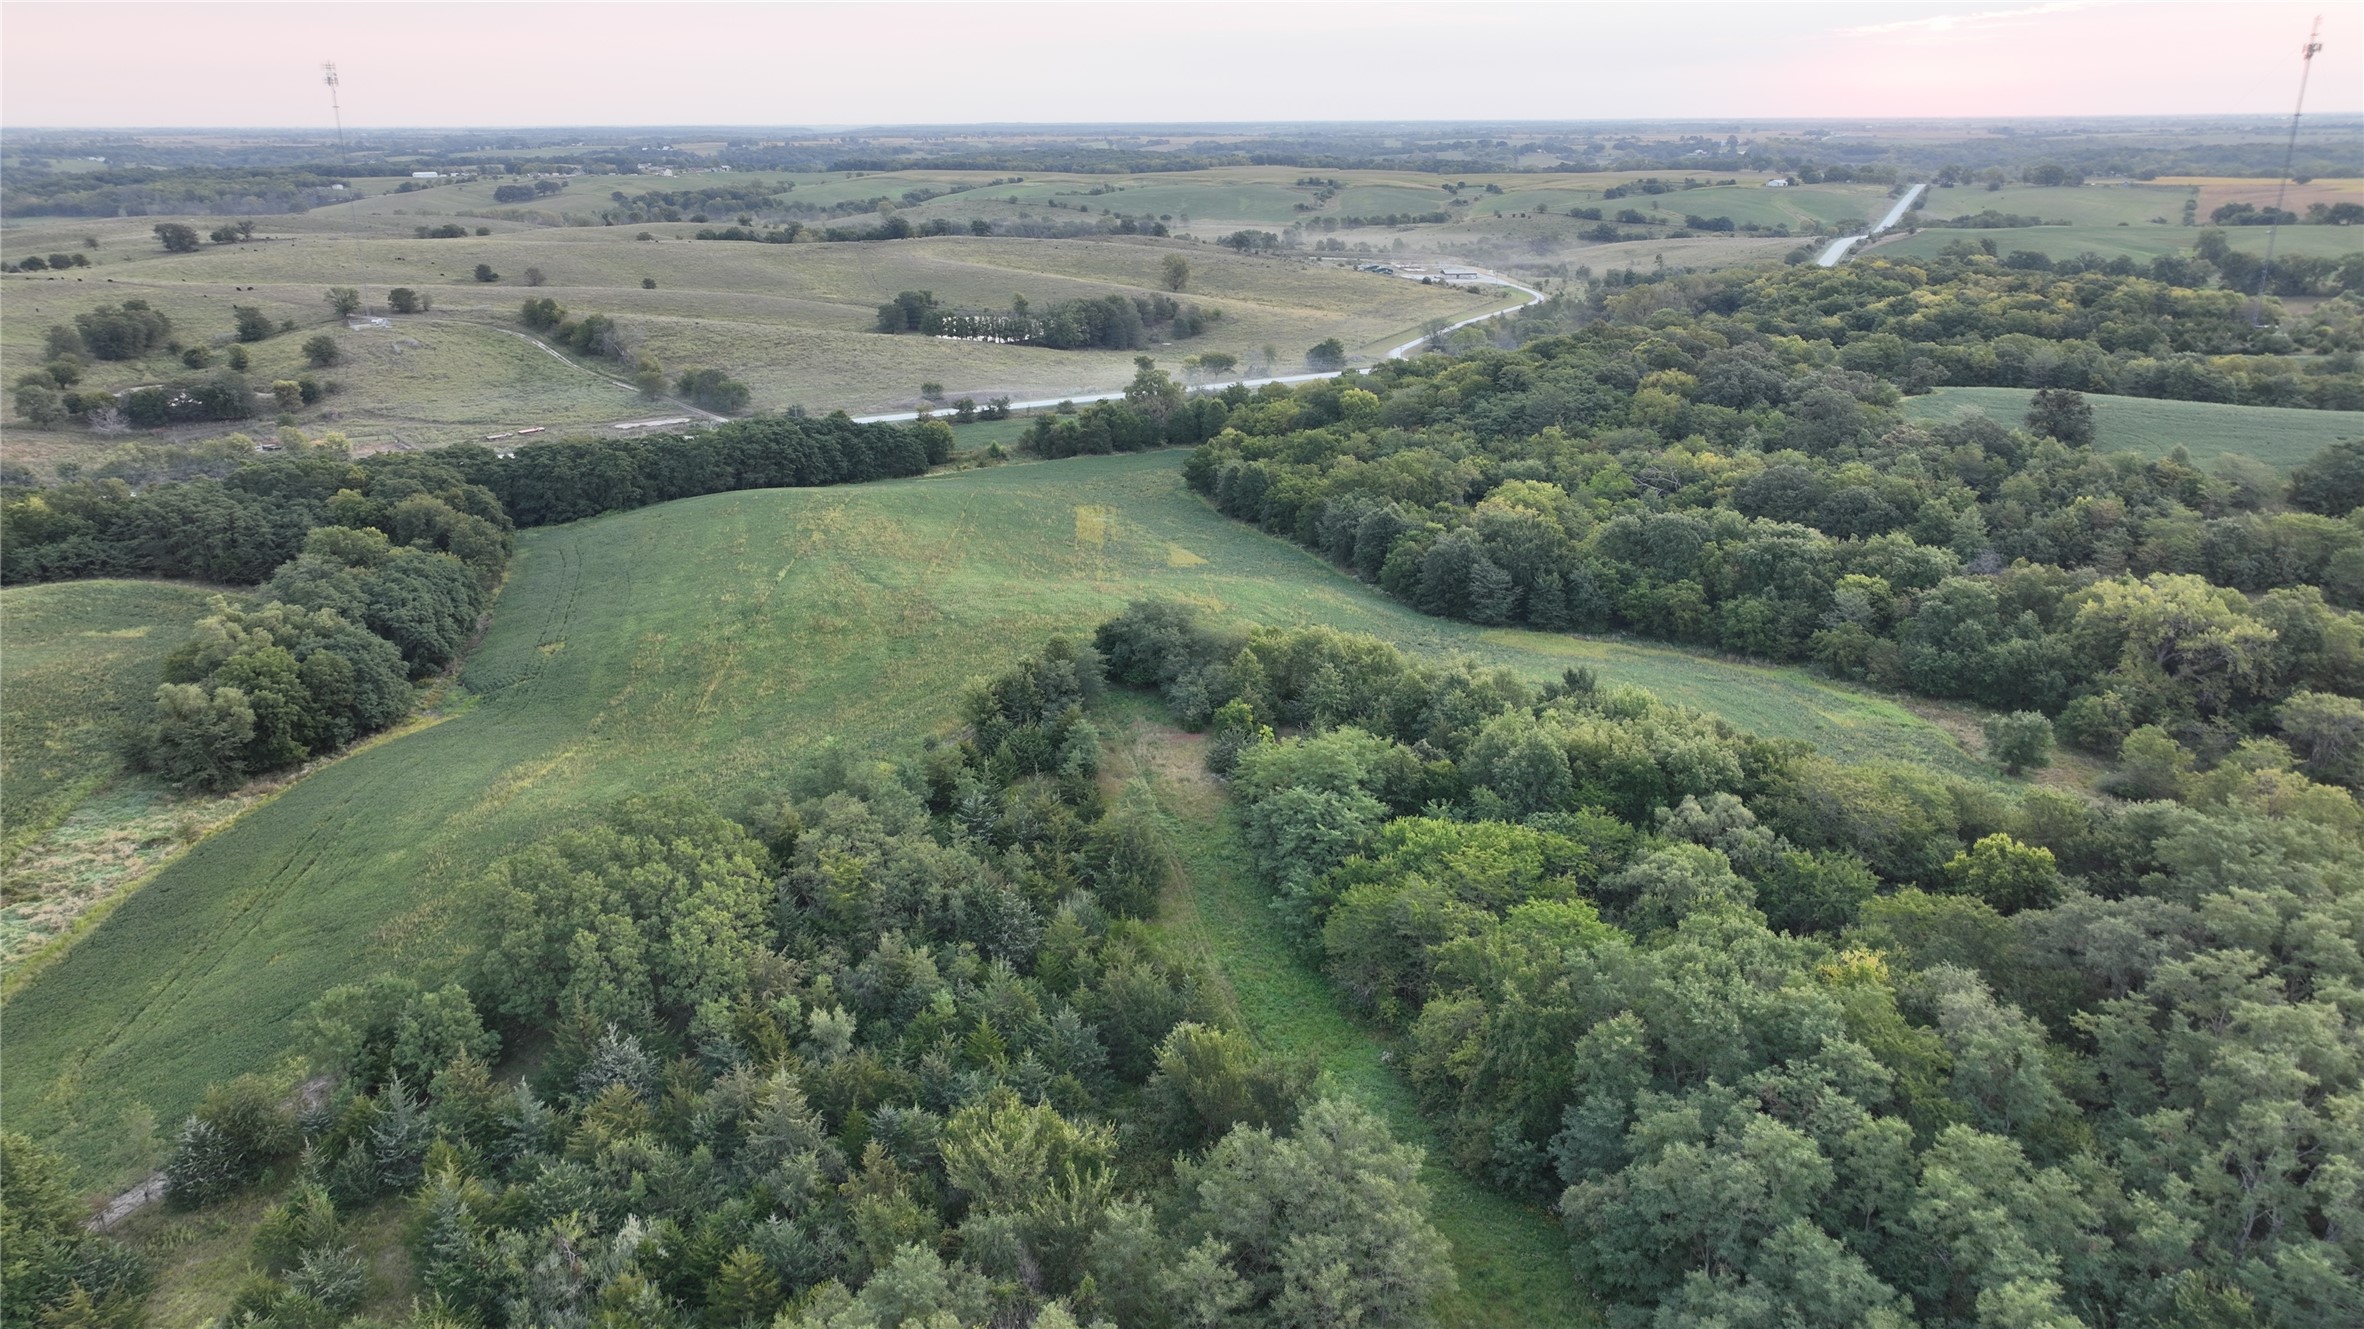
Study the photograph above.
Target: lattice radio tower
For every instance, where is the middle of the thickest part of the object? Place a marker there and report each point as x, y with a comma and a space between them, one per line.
328, 75
2306, 65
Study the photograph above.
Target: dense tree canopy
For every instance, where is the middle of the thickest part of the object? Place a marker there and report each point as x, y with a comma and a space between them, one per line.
879, 1056
1699, 482
1788, 1042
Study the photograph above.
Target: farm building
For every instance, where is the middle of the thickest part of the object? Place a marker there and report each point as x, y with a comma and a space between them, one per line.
1777, 183
1452, 273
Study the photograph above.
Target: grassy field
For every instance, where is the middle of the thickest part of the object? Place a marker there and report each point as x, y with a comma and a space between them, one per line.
791, 321
2278, 436
1510, 1260
82, 658
2133, 220
703, 646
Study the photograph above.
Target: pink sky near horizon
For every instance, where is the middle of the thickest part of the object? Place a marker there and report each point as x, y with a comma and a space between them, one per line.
525, 64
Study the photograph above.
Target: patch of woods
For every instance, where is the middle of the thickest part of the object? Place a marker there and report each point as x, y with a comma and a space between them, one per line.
2317, 214
1107, 323
137, 191
2177, 328
1961, 560
373, 574
1785, 1041
891, 1049
136, 331
1702, 481
598, 336
1154, 412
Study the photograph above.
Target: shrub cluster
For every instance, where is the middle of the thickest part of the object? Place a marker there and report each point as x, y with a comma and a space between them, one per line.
1110, 323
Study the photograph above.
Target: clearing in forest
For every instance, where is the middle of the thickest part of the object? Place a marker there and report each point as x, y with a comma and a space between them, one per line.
1509, 1259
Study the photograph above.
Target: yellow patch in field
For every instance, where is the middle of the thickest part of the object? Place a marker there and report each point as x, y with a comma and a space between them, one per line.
1178, 557
121, 633
551, 647
1093, 522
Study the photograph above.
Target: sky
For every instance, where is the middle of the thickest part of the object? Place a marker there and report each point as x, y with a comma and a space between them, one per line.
488, 64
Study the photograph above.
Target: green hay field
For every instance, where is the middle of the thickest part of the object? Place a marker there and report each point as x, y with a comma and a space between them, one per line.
705, 646
2279, 436
81, 660
2132, 220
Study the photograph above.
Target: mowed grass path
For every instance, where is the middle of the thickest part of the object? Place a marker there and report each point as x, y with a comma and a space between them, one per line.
1510, 1260
2277, 435
702, 646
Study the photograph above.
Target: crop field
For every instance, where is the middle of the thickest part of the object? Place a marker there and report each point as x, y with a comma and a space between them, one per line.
2279, 436
708, 646
2216, 191
82, 656
2137, 204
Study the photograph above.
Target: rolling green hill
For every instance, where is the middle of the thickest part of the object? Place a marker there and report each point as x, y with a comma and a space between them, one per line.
707, 646
2279, 436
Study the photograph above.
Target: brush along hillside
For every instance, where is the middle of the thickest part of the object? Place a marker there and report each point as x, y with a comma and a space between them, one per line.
82, 662
710, 645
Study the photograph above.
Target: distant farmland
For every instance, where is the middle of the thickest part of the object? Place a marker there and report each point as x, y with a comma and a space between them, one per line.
2279, 436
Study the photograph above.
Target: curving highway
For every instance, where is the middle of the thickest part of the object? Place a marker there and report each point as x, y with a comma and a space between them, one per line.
1533, 297
1837, 252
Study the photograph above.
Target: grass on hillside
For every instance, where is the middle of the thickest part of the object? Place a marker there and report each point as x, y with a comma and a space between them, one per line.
81, 661
1509, 1259
704, 646
2279, 436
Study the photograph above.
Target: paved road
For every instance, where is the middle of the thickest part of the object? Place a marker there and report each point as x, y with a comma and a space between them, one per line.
1838, 249
1533, 297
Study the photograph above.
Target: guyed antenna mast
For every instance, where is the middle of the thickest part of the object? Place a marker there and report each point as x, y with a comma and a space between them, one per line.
328, 75
2306, 65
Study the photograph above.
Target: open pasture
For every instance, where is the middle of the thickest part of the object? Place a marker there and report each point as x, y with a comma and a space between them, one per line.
792, 321
708, 646
2279, 436
2134, 220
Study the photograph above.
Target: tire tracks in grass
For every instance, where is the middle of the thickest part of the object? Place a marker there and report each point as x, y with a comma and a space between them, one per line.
1510, 1258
